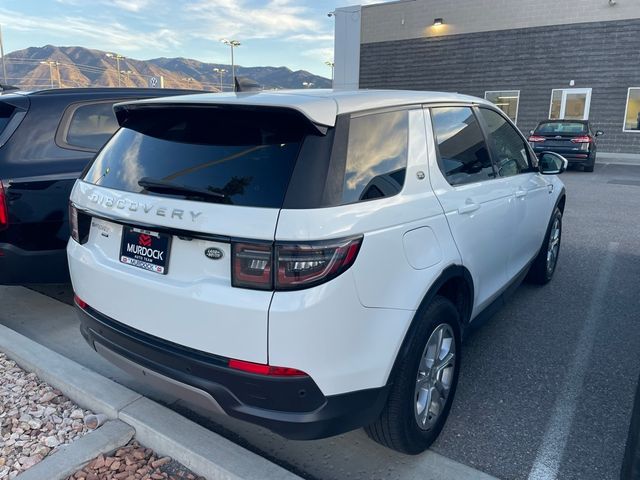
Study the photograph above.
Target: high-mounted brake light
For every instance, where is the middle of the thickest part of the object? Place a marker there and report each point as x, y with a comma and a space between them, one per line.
261, 369
289, 266
582, 139
4, 210
536, 139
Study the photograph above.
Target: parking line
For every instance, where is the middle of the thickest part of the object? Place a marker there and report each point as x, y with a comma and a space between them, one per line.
549, 457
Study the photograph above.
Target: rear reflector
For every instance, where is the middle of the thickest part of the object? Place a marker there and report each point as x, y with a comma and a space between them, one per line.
81, 303
536, 139
4, 210
261, 369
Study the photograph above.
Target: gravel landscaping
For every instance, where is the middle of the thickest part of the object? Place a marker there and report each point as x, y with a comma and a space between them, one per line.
134, 462
35, 419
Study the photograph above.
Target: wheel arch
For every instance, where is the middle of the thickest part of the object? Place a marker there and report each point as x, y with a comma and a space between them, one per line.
456, 284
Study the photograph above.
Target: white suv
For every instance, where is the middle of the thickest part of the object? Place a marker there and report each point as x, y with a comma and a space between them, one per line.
309, 261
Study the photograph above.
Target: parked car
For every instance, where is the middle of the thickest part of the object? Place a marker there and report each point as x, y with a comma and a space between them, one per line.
309, 261
46, 139
573, 139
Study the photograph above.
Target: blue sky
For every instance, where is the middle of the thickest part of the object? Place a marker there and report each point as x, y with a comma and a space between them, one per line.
294, 33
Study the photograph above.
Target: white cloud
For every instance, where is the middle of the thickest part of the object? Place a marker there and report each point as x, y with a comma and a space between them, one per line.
106, 35
237, 18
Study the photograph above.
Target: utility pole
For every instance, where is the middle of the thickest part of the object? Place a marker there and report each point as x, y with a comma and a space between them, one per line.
118, 57
221, 72
51, 64
233, 44
58, 72
4, 68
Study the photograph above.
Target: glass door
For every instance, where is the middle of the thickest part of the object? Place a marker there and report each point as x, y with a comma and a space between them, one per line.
570, 104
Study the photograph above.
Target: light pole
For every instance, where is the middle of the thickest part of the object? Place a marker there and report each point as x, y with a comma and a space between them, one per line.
233, 44
332, 65
118, 57
221, 72
51, 64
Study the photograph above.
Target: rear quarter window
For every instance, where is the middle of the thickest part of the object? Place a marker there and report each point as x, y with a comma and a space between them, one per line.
377, 152
6, 111
90, 126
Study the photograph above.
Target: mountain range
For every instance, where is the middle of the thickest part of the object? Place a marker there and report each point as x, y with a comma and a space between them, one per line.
41, 67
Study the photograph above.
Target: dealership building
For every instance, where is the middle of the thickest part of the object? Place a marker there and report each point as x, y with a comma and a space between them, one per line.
535, 59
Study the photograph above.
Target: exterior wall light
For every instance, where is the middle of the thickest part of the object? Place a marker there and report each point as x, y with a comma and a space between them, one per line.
437, 22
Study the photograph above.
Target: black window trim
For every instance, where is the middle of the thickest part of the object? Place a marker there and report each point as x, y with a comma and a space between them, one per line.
474, 111
483, 126
65, 123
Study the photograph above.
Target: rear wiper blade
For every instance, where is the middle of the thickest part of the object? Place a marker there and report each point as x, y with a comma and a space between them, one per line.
161, 186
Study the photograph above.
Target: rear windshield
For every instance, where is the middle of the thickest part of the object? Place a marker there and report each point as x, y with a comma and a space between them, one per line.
243, 158
561, 128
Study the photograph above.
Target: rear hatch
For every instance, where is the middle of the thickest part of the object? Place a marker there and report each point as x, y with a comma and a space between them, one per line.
160, 207
561, 137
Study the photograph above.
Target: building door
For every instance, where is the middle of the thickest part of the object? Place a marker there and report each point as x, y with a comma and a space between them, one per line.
570, 104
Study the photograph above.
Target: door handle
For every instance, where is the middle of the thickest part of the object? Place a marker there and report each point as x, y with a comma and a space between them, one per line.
469, 207
521, 193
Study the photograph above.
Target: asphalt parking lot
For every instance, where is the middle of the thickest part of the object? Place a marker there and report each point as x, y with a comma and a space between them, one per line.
547, 385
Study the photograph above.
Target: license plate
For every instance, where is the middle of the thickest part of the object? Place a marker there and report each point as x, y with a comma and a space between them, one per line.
145, 249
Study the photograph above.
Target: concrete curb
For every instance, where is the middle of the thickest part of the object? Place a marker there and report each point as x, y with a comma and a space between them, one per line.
204, 452
71, 458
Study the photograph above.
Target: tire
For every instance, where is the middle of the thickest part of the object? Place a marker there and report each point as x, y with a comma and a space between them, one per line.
544, 265
591, 165
409, 399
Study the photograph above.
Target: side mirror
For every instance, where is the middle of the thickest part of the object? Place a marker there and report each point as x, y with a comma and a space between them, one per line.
599, 132
552, 164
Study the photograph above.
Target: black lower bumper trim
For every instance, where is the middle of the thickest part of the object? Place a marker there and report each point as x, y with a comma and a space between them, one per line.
23, 267
293, 407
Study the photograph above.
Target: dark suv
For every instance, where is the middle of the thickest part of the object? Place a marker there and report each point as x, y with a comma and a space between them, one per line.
46, 140
573, 139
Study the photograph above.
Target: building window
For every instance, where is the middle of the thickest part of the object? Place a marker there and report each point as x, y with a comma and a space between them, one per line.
506, 100
570, 104
632, 112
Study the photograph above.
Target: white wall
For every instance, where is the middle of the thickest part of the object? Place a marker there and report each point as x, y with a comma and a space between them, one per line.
347, 48
414, 18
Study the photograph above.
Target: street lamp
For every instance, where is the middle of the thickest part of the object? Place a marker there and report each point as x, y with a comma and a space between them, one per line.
332, 65
221, 72
233, 44
51, 64
118, 57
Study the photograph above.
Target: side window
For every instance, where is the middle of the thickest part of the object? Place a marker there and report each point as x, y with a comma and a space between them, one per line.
509, 149
376, 156
91, 126
463, 154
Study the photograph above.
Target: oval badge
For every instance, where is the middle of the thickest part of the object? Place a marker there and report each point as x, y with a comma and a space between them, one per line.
214, 253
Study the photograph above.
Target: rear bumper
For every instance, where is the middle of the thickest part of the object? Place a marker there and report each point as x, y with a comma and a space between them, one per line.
573, 157
19, 267
293, 407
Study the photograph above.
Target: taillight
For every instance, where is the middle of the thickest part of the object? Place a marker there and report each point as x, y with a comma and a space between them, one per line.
73, 223
252, 265
4, 210
582, 139
79, 225
303, 266
261, 369
536, 139
289, 266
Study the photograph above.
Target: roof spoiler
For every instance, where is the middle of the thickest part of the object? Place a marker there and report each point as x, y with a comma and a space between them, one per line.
246, 84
